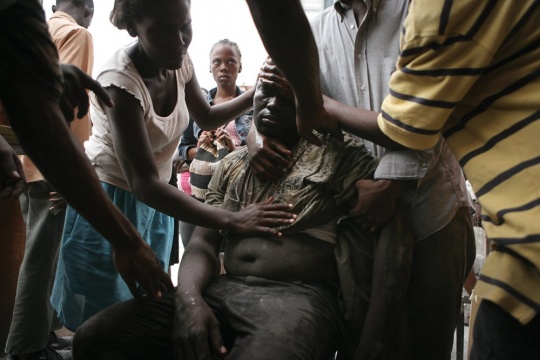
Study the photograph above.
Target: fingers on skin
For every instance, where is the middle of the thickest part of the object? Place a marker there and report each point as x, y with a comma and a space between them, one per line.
166, 282
132, 286
100, 92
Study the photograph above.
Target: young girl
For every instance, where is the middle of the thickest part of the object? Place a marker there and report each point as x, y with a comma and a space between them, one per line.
153, 86
204, 149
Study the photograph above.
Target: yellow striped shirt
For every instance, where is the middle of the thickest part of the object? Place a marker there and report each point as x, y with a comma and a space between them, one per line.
470, 70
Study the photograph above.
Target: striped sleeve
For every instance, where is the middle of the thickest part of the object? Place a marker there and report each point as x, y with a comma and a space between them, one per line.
438, 65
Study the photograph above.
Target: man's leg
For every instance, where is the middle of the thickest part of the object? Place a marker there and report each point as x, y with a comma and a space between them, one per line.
440, 265
498, 336
276, 320
33, 313
130, 330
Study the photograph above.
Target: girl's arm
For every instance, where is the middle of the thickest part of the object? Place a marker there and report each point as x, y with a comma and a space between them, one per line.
211, 117
135, 156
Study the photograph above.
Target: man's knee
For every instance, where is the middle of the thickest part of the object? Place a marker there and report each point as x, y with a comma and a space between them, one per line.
83, 341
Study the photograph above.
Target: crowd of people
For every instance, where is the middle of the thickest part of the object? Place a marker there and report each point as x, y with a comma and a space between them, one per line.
327, 213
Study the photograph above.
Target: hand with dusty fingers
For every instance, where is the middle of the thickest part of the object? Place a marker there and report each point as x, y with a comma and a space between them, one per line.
196, 330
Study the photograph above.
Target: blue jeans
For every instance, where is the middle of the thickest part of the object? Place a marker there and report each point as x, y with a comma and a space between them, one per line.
259, 319
498, 336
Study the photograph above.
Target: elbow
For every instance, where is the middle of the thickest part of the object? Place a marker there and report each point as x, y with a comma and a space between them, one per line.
141, 190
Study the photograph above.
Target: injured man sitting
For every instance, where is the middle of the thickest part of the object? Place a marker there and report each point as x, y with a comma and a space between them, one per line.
279, 298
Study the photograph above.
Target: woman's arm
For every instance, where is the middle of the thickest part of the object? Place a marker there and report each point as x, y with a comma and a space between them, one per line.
211, 117
135, 156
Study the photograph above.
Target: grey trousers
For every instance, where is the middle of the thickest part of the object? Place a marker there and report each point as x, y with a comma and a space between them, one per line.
32, 315
259, 319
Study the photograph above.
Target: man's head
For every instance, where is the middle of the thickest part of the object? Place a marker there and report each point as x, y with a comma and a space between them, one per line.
274, 111
82, 11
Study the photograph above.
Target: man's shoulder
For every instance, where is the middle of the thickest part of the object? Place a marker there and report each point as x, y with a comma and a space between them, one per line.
324, 16
63, 24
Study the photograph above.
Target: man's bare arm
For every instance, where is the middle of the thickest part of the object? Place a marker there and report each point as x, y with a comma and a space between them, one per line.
360, 122
195, 327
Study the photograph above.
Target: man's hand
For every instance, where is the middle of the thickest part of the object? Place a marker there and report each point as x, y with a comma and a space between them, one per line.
261, 219
139, 265
195, 328
12, 178
76, 82
268, 158
376, 202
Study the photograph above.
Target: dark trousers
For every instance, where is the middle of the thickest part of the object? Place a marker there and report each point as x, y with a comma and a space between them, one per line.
259, 319
499, 336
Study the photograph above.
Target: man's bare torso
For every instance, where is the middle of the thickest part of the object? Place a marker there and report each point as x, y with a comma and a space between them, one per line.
297, 257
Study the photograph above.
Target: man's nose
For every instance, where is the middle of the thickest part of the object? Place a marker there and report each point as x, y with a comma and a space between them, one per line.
179, 40
273, 102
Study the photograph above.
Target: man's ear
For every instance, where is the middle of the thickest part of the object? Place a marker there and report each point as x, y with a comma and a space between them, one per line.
87, 12
131, 29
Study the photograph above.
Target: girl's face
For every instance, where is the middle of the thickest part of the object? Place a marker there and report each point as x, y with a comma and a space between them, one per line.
225, 65
164, 31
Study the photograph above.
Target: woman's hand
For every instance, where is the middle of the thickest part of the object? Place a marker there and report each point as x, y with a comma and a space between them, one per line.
206, 137
261, 219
